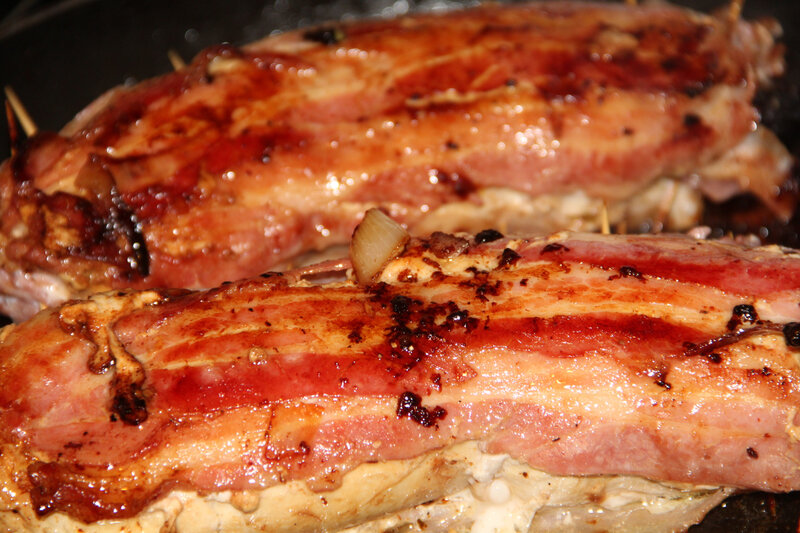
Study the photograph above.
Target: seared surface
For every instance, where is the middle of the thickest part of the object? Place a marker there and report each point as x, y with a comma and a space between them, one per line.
252, 156
663, 357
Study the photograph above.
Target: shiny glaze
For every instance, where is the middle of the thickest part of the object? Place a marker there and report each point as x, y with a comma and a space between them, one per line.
585, 354
252, 156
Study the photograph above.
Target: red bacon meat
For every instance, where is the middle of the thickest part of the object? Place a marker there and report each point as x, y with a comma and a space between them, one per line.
664, 358
524, 117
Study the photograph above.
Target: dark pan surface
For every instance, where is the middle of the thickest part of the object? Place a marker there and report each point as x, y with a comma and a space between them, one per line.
61, 54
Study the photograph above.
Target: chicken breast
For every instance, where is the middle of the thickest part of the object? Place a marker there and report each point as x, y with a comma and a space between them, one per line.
523, 117
663, 368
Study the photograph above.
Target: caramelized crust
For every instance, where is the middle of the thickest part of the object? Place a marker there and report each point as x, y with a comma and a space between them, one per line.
251, 156
661, 357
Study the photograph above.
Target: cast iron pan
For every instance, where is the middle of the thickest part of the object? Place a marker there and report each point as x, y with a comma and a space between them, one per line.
61, 54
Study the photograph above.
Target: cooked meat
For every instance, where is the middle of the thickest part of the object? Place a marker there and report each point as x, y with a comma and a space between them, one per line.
663, 358
524, 117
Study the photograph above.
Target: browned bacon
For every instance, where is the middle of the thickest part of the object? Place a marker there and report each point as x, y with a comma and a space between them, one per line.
668, 358
527, 116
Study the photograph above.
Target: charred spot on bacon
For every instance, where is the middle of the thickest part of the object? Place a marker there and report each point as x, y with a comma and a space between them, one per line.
792, 333
277, 404
522, 118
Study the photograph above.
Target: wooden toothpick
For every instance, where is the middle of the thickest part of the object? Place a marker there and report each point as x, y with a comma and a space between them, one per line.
175, 59
25, 120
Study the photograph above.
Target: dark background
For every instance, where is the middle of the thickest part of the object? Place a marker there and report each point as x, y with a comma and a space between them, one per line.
61, 54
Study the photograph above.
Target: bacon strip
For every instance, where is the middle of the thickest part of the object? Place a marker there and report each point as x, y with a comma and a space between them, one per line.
662, 357
252, 156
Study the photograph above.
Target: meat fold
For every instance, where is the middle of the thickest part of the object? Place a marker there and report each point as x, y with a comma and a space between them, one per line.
524, 117
661, 357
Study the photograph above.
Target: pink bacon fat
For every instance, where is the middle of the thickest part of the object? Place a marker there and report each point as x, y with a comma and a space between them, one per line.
658, 356
252, 156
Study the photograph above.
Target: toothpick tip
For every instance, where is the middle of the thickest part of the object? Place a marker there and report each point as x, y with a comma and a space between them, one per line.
605, 227
175, 60
735, 11
25, 120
